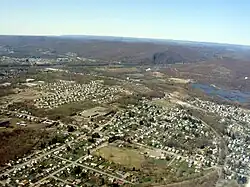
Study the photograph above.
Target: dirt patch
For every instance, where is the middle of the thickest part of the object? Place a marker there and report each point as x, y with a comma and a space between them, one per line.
94, 112
163, 102
158, 74
180, 81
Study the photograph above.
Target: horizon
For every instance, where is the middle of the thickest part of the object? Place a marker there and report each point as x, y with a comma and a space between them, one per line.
213, 21
139, 38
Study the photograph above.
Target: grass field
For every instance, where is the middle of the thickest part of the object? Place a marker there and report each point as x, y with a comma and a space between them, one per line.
68, 109
123, 156
163, 103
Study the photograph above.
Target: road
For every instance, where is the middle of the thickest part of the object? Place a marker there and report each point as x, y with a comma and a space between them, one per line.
66, 182
171, 161
185, 104
53, 150
57, 171
39, 157
95, 170
107, 123
213, 130
33, 159
76, 163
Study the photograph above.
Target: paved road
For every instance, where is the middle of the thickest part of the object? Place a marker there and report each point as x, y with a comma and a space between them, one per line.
171, 161
51, 175
33, 159
215, 132
50, 152
97, 171
107, 123
57, 171
66, 182
39, 157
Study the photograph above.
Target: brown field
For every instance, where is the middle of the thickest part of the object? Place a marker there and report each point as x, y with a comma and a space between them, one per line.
163, 102
22, 95
122, 156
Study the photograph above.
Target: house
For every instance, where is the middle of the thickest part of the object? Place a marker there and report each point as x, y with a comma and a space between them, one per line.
24, 183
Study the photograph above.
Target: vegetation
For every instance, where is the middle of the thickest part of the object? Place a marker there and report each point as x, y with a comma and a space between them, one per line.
16, 143
123, 156
5, 91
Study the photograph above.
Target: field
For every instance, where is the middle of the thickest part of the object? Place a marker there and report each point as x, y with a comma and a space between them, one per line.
119, 70
178, 80
123, 156
163, 102
97, 111
22, 95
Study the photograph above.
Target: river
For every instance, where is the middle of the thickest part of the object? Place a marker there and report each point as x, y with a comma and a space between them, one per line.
229, 95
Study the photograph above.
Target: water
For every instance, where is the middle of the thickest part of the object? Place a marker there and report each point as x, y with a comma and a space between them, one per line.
229, 95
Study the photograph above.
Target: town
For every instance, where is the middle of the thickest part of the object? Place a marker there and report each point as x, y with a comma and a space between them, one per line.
236, 135
111, 133
144, 135
67, 92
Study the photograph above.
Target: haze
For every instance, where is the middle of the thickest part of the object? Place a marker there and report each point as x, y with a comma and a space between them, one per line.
223, 21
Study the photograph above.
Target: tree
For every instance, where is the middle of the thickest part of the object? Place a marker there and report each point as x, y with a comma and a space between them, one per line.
77, 170
68, 148
91, 140
96, 135
71, 129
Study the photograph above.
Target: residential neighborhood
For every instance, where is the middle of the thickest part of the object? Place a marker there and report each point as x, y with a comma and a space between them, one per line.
63, 92
147, 131
236, 135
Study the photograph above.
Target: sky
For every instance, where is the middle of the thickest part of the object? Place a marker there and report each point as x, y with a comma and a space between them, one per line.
221, 21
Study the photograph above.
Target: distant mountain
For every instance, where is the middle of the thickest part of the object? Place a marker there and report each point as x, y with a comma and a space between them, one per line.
152, 40
124, 49
108, 38
167, 57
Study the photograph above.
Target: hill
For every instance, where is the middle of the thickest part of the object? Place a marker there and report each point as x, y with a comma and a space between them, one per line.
120, 49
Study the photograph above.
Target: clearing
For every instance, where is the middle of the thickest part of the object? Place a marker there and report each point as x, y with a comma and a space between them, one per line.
122, 156
94, 112
180, 81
